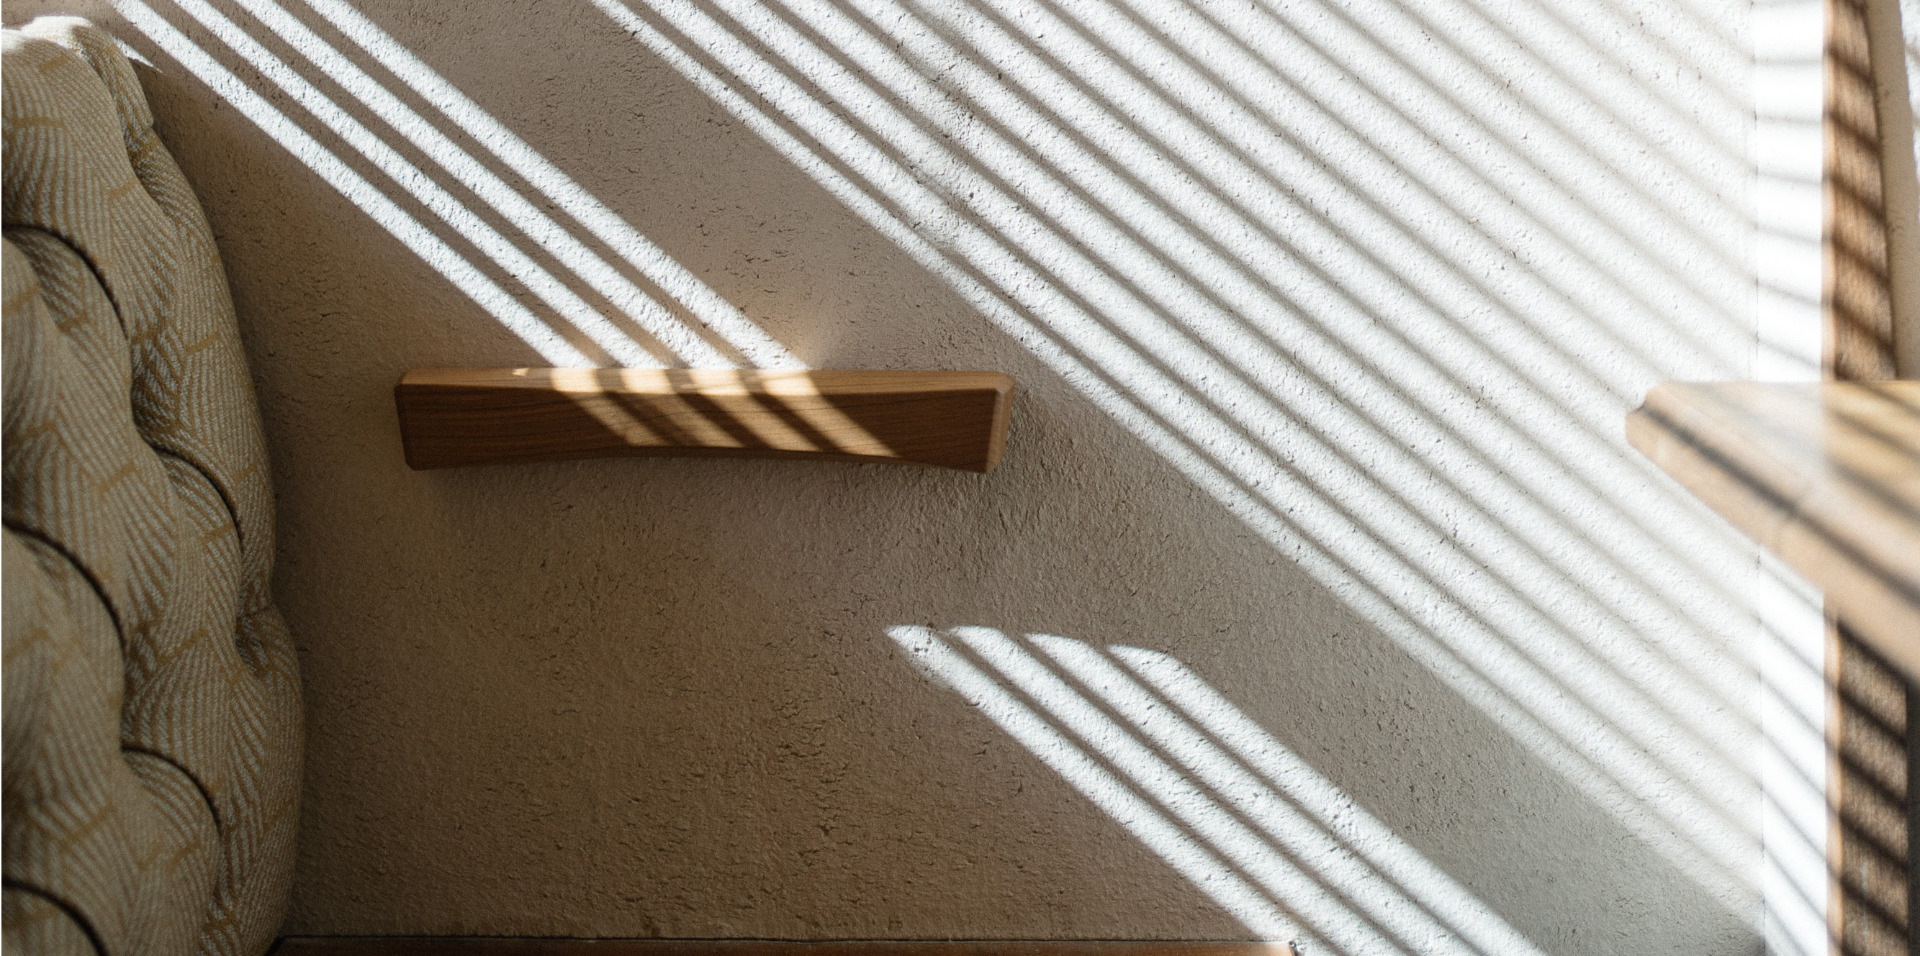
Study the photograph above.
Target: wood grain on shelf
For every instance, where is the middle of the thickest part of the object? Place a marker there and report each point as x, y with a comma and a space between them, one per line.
1825, 475
456, 946
456, 417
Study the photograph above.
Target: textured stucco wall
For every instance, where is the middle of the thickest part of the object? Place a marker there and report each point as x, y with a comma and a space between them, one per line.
673, 698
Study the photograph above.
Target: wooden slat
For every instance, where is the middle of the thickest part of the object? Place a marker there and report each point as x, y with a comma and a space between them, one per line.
454, 946
455, 417
1868, 702
1857, 290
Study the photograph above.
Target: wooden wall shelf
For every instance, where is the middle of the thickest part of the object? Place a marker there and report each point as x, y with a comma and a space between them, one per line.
456, 417
1827, 476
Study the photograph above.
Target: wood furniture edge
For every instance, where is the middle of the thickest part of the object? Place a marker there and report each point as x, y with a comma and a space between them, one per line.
1856, 283
1696, 434
1857, 337
1772, 502
463, 417
510, 946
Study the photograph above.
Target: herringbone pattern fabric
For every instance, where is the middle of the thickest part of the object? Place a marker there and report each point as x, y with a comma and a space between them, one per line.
152, 721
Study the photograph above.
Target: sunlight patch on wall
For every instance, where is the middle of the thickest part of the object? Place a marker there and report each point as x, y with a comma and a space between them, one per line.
1789, 156
504, 308
590, 337
1331, 358
723, 317
757, 348
1201, 785
1327, 261
548, 288
1792, 767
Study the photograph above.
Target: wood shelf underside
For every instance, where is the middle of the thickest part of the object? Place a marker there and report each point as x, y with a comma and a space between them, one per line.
459, 417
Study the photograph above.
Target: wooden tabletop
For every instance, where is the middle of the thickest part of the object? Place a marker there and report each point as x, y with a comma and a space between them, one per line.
1826, 475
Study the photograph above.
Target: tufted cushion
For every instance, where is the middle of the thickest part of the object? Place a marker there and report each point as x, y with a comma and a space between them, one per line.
152, 721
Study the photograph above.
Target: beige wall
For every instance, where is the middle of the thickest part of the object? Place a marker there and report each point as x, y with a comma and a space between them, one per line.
1394, 524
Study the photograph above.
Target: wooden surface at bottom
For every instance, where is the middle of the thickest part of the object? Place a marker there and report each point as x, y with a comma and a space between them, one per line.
494, 946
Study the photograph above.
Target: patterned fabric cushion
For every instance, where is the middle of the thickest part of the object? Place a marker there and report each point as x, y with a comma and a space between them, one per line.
152, 712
